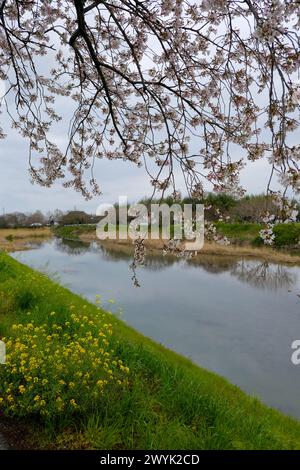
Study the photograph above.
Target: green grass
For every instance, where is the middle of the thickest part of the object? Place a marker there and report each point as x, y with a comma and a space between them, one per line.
168, 402
286, 235
73, 232
242, 232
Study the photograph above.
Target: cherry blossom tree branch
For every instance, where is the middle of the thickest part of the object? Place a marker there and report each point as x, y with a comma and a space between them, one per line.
172, 85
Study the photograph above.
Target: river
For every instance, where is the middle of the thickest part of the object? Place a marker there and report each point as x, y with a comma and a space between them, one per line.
236, 317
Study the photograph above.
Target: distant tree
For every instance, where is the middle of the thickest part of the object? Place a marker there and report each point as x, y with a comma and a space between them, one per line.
55, 216
252, 207
75, 217
222, 201
36, 218
296, 203
15, 219
21, 219
3, 221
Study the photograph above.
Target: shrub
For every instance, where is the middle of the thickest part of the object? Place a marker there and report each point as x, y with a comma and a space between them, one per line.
25, 298
257, 242
287, 234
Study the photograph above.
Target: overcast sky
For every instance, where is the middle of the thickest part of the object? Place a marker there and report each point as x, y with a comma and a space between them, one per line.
115, 178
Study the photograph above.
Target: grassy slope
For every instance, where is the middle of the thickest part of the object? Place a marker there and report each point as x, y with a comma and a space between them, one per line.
170, 403
245, 232
286, 235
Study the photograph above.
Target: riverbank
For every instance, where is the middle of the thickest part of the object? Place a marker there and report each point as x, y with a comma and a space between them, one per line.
241, 245
20, 239
57, 388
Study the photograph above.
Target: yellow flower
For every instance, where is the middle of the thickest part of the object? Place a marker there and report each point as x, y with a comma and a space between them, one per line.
73, 403
21, 389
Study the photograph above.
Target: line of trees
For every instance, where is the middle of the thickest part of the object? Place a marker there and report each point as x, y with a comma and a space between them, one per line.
19, 219
249, 208
246, 209
37, 218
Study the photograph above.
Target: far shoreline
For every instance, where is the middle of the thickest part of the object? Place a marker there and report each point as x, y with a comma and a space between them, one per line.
210, 248
21, 239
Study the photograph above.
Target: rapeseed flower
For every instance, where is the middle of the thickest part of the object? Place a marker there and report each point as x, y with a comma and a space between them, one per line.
59, 366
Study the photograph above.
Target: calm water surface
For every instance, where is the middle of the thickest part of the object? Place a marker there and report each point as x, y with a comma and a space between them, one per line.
232, 316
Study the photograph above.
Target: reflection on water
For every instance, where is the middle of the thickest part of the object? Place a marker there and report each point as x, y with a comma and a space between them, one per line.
233, 316
155, 261
72, 247
262, 275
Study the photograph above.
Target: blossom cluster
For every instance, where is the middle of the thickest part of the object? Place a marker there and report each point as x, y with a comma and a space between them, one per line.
287, 213
267, 234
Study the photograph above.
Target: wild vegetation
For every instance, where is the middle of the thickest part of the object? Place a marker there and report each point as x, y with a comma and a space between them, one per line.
16, 239
74, 232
